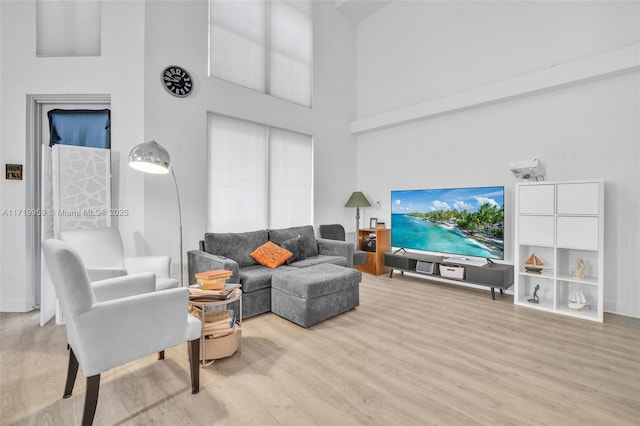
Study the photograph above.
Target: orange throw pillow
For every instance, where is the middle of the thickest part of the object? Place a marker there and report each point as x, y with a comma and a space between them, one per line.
271, 255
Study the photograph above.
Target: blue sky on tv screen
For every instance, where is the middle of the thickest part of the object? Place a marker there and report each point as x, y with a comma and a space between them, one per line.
427, 200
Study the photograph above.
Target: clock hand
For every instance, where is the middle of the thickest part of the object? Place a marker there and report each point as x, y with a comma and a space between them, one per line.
175, 80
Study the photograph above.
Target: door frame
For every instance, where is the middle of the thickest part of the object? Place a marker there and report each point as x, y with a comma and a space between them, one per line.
33, 166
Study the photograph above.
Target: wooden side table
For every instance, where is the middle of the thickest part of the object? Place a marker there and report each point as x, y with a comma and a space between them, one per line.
375, 259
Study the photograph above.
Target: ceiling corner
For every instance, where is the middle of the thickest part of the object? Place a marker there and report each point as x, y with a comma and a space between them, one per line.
357, 10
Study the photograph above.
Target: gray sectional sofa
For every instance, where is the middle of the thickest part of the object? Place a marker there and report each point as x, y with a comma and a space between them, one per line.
231, 251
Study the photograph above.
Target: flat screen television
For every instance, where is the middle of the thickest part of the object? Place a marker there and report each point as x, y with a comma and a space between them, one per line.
454, 221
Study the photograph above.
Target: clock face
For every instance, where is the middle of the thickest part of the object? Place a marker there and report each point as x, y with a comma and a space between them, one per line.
177, 81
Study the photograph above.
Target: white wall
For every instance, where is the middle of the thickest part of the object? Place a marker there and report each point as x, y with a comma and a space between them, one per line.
412, 52
176, 33
21, 302
138, 40
119, 71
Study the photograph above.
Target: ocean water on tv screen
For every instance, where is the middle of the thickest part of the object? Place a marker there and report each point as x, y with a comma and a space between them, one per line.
452, 221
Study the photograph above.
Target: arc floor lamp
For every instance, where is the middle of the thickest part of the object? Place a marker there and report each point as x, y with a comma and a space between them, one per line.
151, 157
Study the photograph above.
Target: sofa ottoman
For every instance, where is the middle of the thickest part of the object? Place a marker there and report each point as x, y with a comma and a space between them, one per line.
314, 294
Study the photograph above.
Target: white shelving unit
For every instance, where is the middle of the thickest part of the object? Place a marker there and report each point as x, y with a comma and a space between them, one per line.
560, 222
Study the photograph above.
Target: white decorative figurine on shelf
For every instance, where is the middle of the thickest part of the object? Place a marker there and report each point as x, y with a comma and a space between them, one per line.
533, 264
535, 298
578, 270
577, 300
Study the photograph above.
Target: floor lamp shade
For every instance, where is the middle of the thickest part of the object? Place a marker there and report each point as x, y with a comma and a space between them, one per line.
151, 157
357, 200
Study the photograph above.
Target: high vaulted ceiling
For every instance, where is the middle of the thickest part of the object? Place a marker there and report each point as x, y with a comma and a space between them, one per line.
360, 9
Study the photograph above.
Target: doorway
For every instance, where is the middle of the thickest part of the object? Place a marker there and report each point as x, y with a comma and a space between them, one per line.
37, 132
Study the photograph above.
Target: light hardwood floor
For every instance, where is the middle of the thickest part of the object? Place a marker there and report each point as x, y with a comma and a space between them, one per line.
413, 353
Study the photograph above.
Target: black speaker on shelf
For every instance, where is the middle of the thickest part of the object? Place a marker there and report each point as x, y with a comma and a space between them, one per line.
398, 261
369, 245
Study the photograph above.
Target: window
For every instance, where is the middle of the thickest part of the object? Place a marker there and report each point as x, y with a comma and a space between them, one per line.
68, 28
259, 176
265, 45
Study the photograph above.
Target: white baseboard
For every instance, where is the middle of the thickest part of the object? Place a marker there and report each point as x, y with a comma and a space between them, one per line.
16, 305
628, 309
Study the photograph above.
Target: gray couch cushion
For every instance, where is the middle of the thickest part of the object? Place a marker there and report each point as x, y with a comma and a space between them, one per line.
318, 260
332, 232
359, 257
316, 281
235, 245
296, 247
278, 236
256, 277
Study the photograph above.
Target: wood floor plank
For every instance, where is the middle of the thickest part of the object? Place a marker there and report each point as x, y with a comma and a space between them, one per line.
413, 353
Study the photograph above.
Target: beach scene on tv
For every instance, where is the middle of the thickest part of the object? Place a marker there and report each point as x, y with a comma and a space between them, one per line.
458, 221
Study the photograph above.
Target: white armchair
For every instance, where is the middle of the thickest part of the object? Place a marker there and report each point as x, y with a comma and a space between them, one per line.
103, 332
102, 252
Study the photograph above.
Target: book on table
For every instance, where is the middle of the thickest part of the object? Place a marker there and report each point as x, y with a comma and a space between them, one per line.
214, 274
198, 294
219, 322
213, 280
217, 316
215, 284
218, 326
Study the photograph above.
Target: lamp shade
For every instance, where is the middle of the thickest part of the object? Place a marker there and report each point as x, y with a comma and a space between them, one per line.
358, 199
150, 157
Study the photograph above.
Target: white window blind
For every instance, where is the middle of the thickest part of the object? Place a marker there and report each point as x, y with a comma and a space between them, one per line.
265, 45
238, 175
238, 42
290, 178
290, 47
68, 27
259, 177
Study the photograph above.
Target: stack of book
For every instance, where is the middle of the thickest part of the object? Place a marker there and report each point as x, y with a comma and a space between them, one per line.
197, 294
219, 323
213, 280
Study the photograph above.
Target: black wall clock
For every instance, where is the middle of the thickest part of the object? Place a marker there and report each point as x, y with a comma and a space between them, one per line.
177, 81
